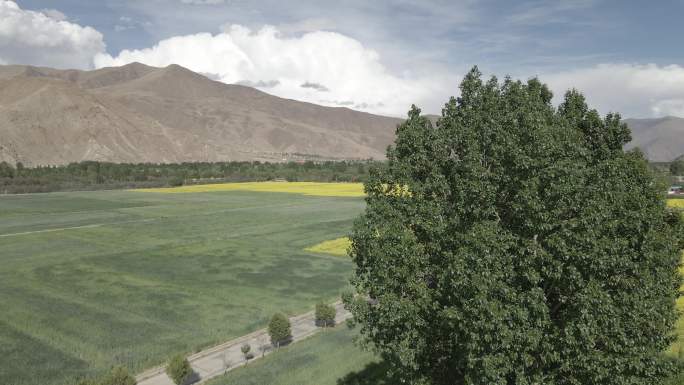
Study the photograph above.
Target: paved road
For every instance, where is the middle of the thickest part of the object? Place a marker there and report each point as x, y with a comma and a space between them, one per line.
215, 361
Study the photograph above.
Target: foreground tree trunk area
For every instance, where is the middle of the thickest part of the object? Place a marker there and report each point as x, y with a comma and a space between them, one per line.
517, 243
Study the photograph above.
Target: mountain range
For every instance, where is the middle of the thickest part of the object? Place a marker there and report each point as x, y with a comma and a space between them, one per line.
138, 113
661, 140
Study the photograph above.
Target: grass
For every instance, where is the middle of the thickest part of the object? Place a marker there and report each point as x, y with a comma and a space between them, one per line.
305, 188
328, 358
332, 359
337, 247
93, 279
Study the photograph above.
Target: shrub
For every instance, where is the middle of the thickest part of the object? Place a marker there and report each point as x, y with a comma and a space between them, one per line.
677, 167
176, 182
325, 314
87, 381
279, 329
246, 348
118, 376
179, 369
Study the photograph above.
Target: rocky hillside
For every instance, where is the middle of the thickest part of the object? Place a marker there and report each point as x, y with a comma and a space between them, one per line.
662, 140
138, 113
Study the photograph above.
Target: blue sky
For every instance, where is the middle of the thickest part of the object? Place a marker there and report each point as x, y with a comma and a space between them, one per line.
625, 55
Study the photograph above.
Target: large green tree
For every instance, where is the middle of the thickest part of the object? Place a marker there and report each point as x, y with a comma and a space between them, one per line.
516, 243
677, 166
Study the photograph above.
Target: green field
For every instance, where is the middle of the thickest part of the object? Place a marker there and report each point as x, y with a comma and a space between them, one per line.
93, 279
329, 358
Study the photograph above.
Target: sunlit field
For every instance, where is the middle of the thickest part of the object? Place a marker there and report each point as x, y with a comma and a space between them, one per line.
305, 188
676, 203
329, 358
94, 279
337, 247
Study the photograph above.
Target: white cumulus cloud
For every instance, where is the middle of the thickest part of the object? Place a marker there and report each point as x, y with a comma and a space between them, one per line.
333, 69
348, 70
55, 14
635, 90
45, 38
302, 61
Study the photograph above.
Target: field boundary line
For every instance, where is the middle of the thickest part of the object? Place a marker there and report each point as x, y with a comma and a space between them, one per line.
91, 226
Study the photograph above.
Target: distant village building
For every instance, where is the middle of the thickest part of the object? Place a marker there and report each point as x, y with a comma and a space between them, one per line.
675, 190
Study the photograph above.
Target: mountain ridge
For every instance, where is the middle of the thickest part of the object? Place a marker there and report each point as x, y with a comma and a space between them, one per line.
661, 139
137, 113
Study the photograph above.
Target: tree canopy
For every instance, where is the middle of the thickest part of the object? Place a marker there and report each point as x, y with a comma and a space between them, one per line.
279, 329
118, 376
6, 170
105, 175
325, 314
179, 369
516, 243
677, 166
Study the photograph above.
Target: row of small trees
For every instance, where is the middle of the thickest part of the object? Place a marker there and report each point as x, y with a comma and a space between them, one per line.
99, 175
179, 370
280, 330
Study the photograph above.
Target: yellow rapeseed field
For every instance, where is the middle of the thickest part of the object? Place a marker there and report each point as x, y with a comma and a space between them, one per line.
336, 247
305, 188
676, 203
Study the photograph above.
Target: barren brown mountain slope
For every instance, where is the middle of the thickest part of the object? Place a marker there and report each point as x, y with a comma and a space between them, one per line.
137, 113
661, 139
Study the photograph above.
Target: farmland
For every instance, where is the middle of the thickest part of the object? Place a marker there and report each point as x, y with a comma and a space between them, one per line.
93, 279
306, 188
679, 203
337, 247
329, 358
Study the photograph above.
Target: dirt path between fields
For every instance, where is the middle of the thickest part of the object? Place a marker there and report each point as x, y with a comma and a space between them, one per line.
216, 361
